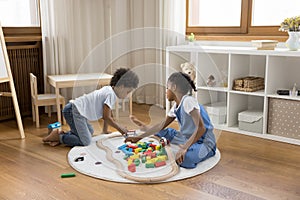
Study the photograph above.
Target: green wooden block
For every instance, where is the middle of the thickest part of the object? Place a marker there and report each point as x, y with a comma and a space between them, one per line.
144, 159
150, 165
137, 162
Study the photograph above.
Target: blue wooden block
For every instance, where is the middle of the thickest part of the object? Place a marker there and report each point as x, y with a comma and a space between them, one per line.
122, 146
54, 125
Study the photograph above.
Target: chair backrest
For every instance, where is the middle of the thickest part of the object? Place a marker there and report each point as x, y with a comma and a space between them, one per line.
33, 86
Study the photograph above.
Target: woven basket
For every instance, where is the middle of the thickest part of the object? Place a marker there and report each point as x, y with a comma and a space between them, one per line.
249, 84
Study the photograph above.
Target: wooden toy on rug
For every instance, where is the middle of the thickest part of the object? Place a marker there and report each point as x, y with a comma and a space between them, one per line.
153, 155
141, 157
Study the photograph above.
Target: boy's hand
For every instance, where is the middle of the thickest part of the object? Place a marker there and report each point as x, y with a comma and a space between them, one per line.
123, 131
132, 139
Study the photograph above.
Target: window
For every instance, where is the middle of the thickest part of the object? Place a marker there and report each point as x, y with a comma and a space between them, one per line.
272, 13
19, 13
251, 17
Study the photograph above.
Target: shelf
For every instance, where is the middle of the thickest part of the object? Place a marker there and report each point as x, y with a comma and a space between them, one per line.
284, 97
218, 89
220, 126
235, 129
233, 50
260, 93
279, 68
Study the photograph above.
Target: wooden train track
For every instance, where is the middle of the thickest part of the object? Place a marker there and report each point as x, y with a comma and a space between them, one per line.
130, 176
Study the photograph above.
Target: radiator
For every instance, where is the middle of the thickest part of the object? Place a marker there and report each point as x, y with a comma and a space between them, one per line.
24, 57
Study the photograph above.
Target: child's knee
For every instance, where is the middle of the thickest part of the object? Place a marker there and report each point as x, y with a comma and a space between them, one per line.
86, 142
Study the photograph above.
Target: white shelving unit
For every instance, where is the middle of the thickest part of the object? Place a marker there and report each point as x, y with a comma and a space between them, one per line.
280, 69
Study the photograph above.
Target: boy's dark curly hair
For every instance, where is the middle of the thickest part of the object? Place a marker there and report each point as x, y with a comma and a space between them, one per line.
125, 77
183, 82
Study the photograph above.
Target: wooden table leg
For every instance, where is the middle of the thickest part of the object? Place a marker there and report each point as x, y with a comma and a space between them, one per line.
130, 104
58, 110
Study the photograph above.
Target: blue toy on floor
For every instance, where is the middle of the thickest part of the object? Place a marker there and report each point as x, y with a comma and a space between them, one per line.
53, 126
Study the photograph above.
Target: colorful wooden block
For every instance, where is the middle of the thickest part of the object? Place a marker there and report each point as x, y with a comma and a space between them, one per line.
149, 165
144, 159
162, 158
137, 162
122, 146
159, 164
132, 168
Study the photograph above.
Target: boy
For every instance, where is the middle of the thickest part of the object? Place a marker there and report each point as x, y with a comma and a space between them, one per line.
91, 107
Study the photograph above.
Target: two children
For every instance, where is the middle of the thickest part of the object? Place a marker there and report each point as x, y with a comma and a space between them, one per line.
91, 107
195, 137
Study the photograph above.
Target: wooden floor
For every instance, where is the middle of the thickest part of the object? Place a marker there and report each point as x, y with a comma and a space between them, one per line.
250, 168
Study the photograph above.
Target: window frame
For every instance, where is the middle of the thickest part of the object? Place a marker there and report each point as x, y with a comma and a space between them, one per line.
17, 33
246, 29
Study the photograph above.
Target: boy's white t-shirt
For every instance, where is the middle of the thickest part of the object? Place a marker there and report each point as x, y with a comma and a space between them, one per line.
91, 105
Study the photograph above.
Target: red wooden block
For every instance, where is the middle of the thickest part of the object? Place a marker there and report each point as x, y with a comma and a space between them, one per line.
159, 164
153, 154
132, 167
132, 146
152, 145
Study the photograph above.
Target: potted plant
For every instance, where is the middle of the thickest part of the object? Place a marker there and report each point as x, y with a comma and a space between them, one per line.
292, 26
191, 38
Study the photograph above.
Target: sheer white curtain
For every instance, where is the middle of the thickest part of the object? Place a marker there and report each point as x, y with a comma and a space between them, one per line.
102, 35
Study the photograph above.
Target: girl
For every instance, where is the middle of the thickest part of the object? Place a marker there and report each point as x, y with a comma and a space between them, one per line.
91, 107
195, 137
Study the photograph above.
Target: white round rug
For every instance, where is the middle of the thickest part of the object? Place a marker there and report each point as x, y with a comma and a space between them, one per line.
92, 161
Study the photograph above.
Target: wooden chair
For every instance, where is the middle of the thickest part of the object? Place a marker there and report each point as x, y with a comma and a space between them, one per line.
41, 100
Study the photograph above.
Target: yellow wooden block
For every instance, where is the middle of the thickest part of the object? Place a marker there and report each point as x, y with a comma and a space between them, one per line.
154, 160
135, 156
137, 150
158, 147
148, 158
162, 158
149, 161
129, 161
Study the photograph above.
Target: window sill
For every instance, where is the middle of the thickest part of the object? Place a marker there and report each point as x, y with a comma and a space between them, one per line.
244, 38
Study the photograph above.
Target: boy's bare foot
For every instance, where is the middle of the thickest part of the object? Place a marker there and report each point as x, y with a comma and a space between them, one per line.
106, 132
53, 144
53, 136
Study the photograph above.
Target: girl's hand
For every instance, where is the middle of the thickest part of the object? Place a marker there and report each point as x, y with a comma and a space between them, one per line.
132, 139
180, 155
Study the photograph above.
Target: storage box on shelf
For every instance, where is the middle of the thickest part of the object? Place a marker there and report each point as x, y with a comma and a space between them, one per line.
251, 120
217, 112
284, 118
277, 68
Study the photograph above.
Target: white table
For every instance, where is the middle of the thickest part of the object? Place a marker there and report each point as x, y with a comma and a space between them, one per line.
76, 80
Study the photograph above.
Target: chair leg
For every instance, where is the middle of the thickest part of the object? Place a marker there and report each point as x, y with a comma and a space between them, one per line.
33, 112
62, 116
37, 117
123, 105
49, 111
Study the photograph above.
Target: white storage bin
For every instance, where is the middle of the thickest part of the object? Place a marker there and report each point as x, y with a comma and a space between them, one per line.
251, 120
217, 112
